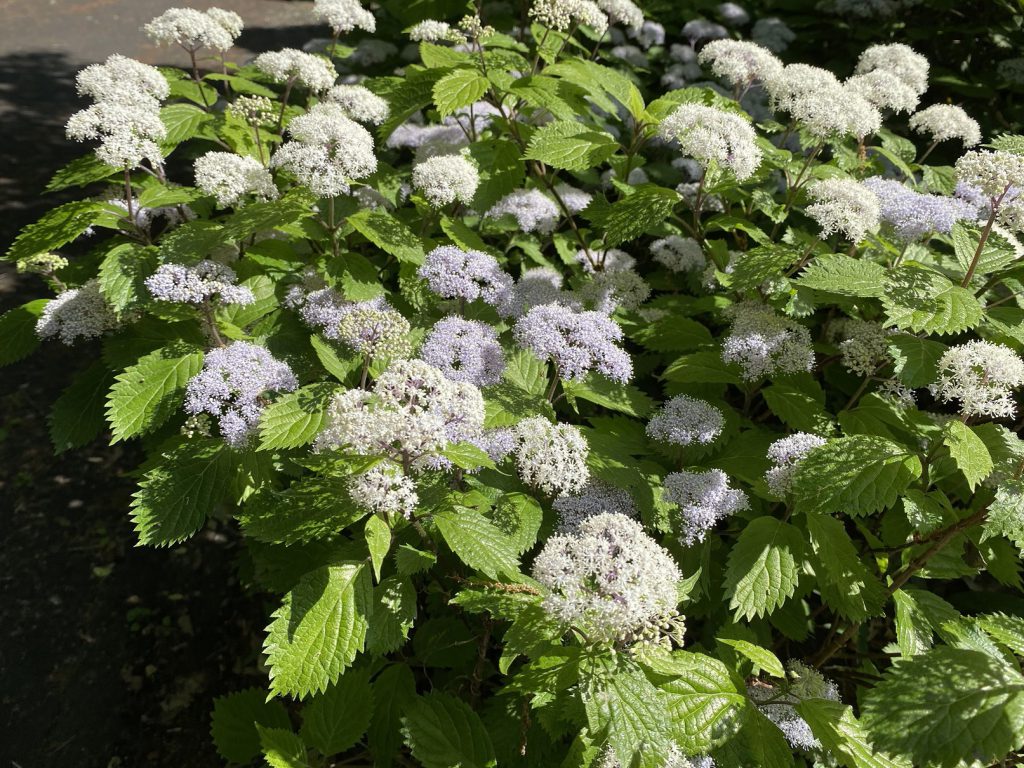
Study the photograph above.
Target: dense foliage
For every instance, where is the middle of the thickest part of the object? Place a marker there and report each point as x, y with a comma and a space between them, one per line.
583, 397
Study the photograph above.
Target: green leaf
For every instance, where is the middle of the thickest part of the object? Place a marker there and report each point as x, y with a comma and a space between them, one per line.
177, 493
458, 89
501, 171
918, 300
844, 581
404, 95
378, 541
762, 657
916, 359
467, 456
632, 216
255, 217
295, 418
148, 393
393, 691
314, 507
763, 567
18, 331
518, 516
672, 334
326, 352
394, 614
624, 398
80, 172
797, 409
282, 748
843, 736
946, 705
702, 700
1008, 630
411, 561
235, 717
968, 451
57, 227
704, 367
1006, 514
571, 146
759, 265
182, 121
845, 275
319, 628
477, 542
526, 372
444, 732
77, 415
122, 273
866, 475
336, 719
389, 234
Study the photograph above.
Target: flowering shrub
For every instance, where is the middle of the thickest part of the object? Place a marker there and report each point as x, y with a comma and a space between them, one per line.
585, 395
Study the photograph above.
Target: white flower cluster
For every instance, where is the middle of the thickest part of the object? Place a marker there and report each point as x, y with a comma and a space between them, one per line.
772, 33
374, 330
765, 343
384, 490
610, 580
982, 377
862, 344
126, 115
785, 455
433, 31
413, 412
327, 150
595, 498
843, 205
685, 420
562, 14
679, 254
703, 498
229, 178
899, 59
623, 12
551, 457
444, 179
947, 121
994, 173
821, 104
344, 15
739, 62
77, 313
191, 29
291, 65
360, 103
708, 133
532, 209
884, 89
196, 284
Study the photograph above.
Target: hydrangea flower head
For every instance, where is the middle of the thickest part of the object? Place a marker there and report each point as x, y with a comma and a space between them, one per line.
129, 133
77, 313
982, 376
595, 498
622, 12
123, 81
465, 350
947, 121
384, 490
679, 254
194, 285
344, 16
551, 457
532, 209
739, 62
885, 90
707, 133
561, 14
610, 580
453, 273
786, 454
230, 387
229, 178
191, 29
445, 179
292, 65
704, 499
772, 33
899, 59
843, 205
375, 330
764, 343
433, 31
685, 420
359, 103
993, 173
577, 342
913, 215
536, 286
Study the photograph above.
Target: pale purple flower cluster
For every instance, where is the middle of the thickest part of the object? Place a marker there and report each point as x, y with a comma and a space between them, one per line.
199, 283
230, 387
532, 209
577, 342
765, 343
465, 350
704, 498
596, 498
785, 455
913, 215
321, 309
537, 286
685, 420
453, 273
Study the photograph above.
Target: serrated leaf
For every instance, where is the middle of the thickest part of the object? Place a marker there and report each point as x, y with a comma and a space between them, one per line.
947, 705
1006, 514
1008, 630
314, 507
378, 540
763, 567
762, 264
866, 475
761, 742
339, 367
234, 721
18, 330
80, 172
282, 748
844, 275
336, 719
524, 371
632, 216
148, 393
178, 492
843, 579
917, 299
55, 228
624, 398
319, 628
762, 657
571, 146
702, 700
672, 334
77, 416
797, 409
704, 367
411, 561
295, 418
467, 456
518, 516
404, 95
968, 451
458, 89
444, 732
254, 217
843, 736
477, 542
393, 691
916, 360
394, 614
182, 121
389, 234
501, 171
122, 273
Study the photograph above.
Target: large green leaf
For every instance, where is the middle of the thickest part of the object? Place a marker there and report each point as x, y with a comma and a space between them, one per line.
865, 474
844, 580
148, 393
282, 748
57, 227
233, 725
389, 234
702, 702
948, 705
313, 507
764, 567
181, 488
571, 146
77, 415
632, 216
477, 542
393, 691
295, 418
319, 628
444, 732
918, 299
968, 451
845, 275
336, 719
459, 88
843, 736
